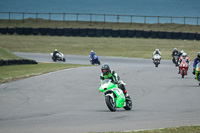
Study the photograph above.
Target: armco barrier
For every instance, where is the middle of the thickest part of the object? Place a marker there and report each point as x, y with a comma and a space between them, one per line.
91, 32
17, 62
43, 31
28, 31
107, 32
123, 33
59, 32
67, 31
83, 32
115, 33
11, 31
99, 33
87, 32
146, 34
20, 31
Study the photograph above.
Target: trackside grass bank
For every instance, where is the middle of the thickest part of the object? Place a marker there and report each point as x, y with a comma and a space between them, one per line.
182, 129
121, 47
15, 72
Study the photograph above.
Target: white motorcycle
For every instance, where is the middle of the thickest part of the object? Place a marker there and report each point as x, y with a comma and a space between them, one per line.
60, 57
156, 59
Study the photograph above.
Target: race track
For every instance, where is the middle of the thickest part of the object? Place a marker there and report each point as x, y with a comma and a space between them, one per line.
68, 101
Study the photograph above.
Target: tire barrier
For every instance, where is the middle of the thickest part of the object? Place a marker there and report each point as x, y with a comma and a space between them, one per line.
87, 32
17, 62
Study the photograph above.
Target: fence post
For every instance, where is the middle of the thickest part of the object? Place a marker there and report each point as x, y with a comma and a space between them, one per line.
171, 19
23, 17
117, 18
36, 17
184, 20
144, 19
49, 17
77, 17
197, 20
63, 17
131, 19
90, 17
158, 19
9, 16
104, 18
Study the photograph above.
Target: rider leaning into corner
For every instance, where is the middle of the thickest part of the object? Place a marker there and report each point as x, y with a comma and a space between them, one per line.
54, 53
196, 61
92, 54
156, 52
107, 73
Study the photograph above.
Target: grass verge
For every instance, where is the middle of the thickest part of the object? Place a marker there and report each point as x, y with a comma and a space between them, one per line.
121, 47
182, 129
99, 25
15, 72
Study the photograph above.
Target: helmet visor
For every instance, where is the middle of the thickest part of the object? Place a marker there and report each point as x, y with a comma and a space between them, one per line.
104, 71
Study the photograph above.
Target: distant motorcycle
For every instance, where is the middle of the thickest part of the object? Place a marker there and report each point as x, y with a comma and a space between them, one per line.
183, 68
197, 73
175, 59
60, 57
95, 60
156, 59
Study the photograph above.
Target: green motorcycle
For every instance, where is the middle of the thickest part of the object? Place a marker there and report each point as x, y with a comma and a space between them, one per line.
197, 73
114, 97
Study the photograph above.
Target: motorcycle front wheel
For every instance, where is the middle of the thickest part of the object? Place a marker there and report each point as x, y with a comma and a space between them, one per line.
109, 102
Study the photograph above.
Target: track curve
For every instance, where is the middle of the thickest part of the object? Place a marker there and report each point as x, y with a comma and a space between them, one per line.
69, 101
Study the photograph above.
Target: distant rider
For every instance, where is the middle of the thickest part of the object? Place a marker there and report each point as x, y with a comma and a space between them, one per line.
184, 57
196, 61
107, 73
174, 53
54, 53
92, 54
180, 53
156, 52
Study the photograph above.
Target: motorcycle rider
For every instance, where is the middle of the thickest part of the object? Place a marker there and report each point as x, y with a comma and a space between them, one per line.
107, 73
92, 54
196, 61
156, 52
174, 52
184, 57
180, 53
54, 53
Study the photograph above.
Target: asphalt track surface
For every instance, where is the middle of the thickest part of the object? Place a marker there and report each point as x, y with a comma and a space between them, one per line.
68, 101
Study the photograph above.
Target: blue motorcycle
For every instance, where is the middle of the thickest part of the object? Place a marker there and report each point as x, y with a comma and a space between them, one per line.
95, 60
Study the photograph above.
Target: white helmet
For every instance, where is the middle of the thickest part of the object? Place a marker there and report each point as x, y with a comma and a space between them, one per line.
182, 51
157, 49
92, 51
184, 55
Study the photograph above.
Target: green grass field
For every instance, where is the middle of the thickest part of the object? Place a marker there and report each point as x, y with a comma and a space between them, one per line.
123, 47
100, 25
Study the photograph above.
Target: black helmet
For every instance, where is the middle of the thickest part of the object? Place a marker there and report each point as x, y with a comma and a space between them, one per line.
198, 55
105, 69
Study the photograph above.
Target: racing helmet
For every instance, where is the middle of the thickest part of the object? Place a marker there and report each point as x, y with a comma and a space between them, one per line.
198, 55
182, 51
55, 50
91, 51
105, 69
157, 49
184, 55
175, 49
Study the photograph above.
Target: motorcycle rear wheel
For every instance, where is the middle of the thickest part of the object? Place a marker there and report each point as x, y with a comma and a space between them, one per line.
109, 102
128, 105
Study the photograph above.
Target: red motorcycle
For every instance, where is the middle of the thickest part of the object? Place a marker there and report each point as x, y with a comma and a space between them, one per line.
183, 68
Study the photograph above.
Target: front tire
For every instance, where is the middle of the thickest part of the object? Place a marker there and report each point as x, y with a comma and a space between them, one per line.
183, 73
128, 105
64, 59
111, 105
